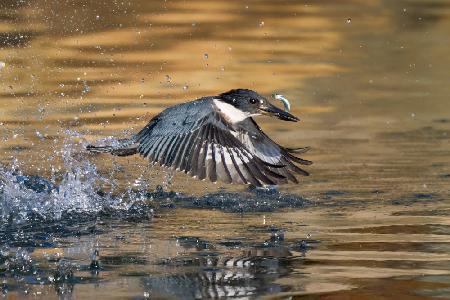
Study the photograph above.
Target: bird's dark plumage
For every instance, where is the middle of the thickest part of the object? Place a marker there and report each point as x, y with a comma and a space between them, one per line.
210, 140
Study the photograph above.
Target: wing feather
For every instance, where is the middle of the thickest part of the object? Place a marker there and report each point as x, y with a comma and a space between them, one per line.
211, 165
194, 155
151, 145
236, 166
256, 170
165, 151
181, 152
159, 150
201, 167
189, 149
173, 150
227, 174
298, 159
249, 169
201, 164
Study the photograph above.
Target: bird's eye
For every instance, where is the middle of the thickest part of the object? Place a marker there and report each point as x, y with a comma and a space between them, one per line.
253, 101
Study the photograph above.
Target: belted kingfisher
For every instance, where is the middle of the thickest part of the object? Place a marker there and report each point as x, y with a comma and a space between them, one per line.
216, 138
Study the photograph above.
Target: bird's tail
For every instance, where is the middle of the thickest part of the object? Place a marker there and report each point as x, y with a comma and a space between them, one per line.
123, 147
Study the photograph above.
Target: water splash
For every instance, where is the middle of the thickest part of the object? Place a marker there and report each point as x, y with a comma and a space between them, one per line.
22, 196
75, 188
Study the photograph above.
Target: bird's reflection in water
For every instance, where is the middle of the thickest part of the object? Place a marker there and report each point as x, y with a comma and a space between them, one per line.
211, 275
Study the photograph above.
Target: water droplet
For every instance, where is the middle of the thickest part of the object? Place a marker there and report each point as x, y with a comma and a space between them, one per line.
2, 64
185, 87
39, 135
97, 17
205, 56
222, 68
86, 88
146, 295
61, 85
261, 24
349, 21
413, 115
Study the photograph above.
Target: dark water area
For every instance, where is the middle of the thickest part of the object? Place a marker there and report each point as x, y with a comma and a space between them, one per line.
368, 79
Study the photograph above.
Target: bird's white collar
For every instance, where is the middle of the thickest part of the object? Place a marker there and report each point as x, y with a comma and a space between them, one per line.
229, 112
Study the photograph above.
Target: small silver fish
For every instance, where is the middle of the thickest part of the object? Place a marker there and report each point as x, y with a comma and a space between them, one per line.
284, 100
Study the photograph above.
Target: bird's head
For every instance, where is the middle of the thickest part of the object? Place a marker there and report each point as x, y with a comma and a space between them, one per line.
250, 103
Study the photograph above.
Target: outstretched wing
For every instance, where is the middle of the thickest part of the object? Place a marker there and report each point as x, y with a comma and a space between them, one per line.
260, 145
194, 138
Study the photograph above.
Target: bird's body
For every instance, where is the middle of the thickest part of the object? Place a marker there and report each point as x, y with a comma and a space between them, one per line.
216, 138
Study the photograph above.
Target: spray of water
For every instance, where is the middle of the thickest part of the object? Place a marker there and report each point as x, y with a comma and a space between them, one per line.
73, 189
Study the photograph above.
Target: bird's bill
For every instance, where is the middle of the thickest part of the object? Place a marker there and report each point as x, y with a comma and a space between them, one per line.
273, 111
